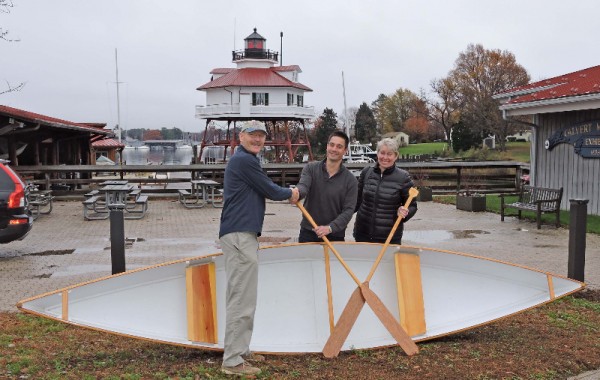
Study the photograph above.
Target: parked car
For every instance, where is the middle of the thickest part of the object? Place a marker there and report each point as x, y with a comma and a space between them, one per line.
15, 220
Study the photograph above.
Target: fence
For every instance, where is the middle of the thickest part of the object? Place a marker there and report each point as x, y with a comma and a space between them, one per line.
441, 176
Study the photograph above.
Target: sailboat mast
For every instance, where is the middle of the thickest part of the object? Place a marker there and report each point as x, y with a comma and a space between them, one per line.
118, 100
347, 124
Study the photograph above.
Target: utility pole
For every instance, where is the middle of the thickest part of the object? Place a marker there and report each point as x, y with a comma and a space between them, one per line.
118, 100
347, 124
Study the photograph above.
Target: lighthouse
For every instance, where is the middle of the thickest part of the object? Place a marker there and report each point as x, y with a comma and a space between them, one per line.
258, 90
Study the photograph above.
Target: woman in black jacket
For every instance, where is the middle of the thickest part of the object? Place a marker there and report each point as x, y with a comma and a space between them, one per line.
382, 192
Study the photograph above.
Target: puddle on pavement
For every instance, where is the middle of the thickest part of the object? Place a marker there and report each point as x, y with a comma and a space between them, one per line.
437, 236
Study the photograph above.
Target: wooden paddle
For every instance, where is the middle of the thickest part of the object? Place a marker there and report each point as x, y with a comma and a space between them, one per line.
354, 306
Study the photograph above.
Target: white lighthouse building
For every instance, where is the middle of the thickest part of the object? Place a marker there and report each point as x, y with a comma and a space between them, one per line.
258, 89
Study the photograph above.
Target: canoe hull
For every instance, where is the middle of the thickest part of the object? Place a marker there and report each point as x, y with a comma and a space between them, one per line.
302, 291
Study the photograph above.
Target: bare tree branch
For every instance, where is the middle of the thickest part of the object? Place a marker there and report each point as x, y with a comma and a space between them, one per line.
16, 88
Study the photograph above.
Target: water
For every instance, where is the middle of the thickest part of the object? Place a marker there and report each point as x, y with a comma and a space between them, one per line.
154, 156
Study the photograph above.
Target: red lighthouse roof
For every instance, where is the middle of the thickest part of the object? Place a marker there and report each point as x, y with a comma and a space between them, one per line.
252, 77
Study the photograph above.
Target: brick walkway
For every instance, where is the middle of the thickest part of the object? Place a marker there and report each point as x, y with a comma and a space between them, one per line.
63, 249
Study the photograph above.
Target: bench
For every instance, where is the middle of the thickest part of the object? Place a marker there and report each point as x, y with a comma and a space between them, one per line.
132, 197
189, 200
537, 199
89, 209
138, 213
39, 202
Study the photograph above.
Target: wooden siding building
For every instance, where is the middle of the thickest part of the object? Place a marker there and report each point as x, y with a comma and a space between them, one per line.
564, 114
32, 139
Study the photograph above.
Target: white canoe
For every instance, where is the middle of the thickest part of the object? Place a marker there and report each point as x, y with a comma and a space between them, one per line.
303, 289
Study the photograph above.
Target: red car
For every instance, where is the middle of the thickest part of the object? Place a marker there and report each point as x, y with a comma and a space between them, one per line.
15, 220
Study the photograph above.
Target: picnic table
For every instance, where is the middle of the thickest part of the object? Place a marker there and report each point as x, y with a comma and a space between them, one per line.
117, 195
203, 191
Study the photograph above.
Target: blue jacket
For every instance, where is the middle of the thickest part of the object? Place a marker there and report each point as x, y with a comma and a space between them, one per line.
245, 188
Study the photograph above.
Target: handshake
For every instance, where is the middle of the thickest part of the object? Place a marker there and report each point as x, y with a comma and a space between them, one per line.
295, 196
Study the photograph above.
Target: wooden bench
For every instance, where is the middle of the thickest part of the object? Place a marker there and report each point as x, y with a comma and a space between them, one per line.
141, 206
537, 199
89, 209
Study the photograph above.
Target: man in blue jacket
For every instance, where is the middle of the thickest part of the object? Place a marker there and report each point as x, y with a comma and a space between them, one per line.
246, 187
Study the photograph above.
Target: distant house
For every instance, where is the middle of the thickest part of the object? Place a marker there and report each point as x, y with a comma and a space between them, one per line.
524, 136
107, 148
564, 114
401, 137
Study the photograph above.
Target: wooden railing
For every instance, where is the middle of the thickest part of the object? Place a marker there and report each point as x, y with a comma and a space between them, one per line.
441, 176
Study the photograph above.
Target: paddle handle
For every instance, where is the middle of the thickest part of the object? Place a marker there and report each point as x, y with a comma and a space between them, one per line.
411, 195
335, 252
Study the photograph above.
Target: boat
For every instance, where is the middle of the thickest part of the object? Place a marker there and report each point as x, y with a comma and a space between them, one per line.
358, 152
302, 290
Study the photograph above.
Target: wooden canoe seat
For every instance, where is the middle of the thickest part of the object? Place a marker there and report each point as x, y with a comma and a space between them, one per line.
410, 291
201, 297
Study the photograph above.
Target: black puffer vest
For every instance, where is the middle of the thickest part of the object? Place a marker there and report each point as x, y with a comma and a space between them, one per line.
379, 197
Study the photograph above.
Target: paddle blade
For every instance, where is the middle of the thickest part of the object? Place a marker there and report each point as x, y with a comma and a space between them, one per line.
412, 193
388, 320
344, 325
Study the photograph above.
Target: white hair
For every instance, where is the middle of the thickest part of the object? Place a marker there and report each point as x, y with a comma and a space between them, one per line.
391, 144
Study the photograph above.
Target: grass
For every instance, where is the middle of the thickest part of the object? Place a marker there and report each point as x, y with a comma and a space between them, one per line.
551, 342
515, 151
425, 148
493, 205
519, 151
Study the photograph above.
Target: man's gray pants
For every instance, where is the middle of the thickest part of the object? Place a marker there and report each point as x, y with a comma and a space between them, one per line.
240, 250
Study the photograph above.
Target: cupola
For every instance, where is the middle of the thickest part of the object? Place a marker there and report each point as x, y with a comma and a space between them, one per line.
255, 49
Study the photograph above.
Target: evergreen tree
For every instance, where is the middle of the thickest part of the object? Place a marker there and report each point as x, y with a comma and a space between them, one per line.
325, 125
464, 137
366, 125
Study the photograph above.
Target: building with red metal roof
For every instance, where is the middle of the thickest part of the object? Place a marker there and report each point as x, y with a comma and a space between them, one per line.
564, 115
29, 138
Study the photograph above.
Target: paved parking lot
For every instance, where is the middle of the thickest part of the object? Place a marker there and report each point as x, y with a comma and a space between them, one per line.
63, 249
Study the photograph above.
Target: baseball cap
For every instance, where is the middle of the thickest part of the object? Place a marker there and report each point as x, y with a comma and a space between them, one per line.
254, 125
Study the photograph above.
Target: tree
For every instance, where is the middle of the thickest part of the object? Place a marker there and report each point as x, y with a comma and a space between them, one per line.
324, 126
464, 138
479, 74
351, 122
366, 125
377, 107
5, 6
171, 133
444, 111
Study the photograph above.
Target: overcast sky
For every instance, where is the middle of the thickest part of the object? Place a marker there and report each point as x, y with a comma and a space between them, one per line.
166, 49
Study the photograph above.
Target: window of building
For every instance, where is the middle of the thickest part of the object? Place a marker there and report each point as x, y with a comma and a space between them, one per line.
300, 100
260, 98
290, 99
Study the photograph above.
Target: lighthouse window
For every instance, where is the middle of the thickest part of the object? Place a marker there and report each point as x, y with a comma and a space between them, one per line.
290, 99
260, 99
300, 101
